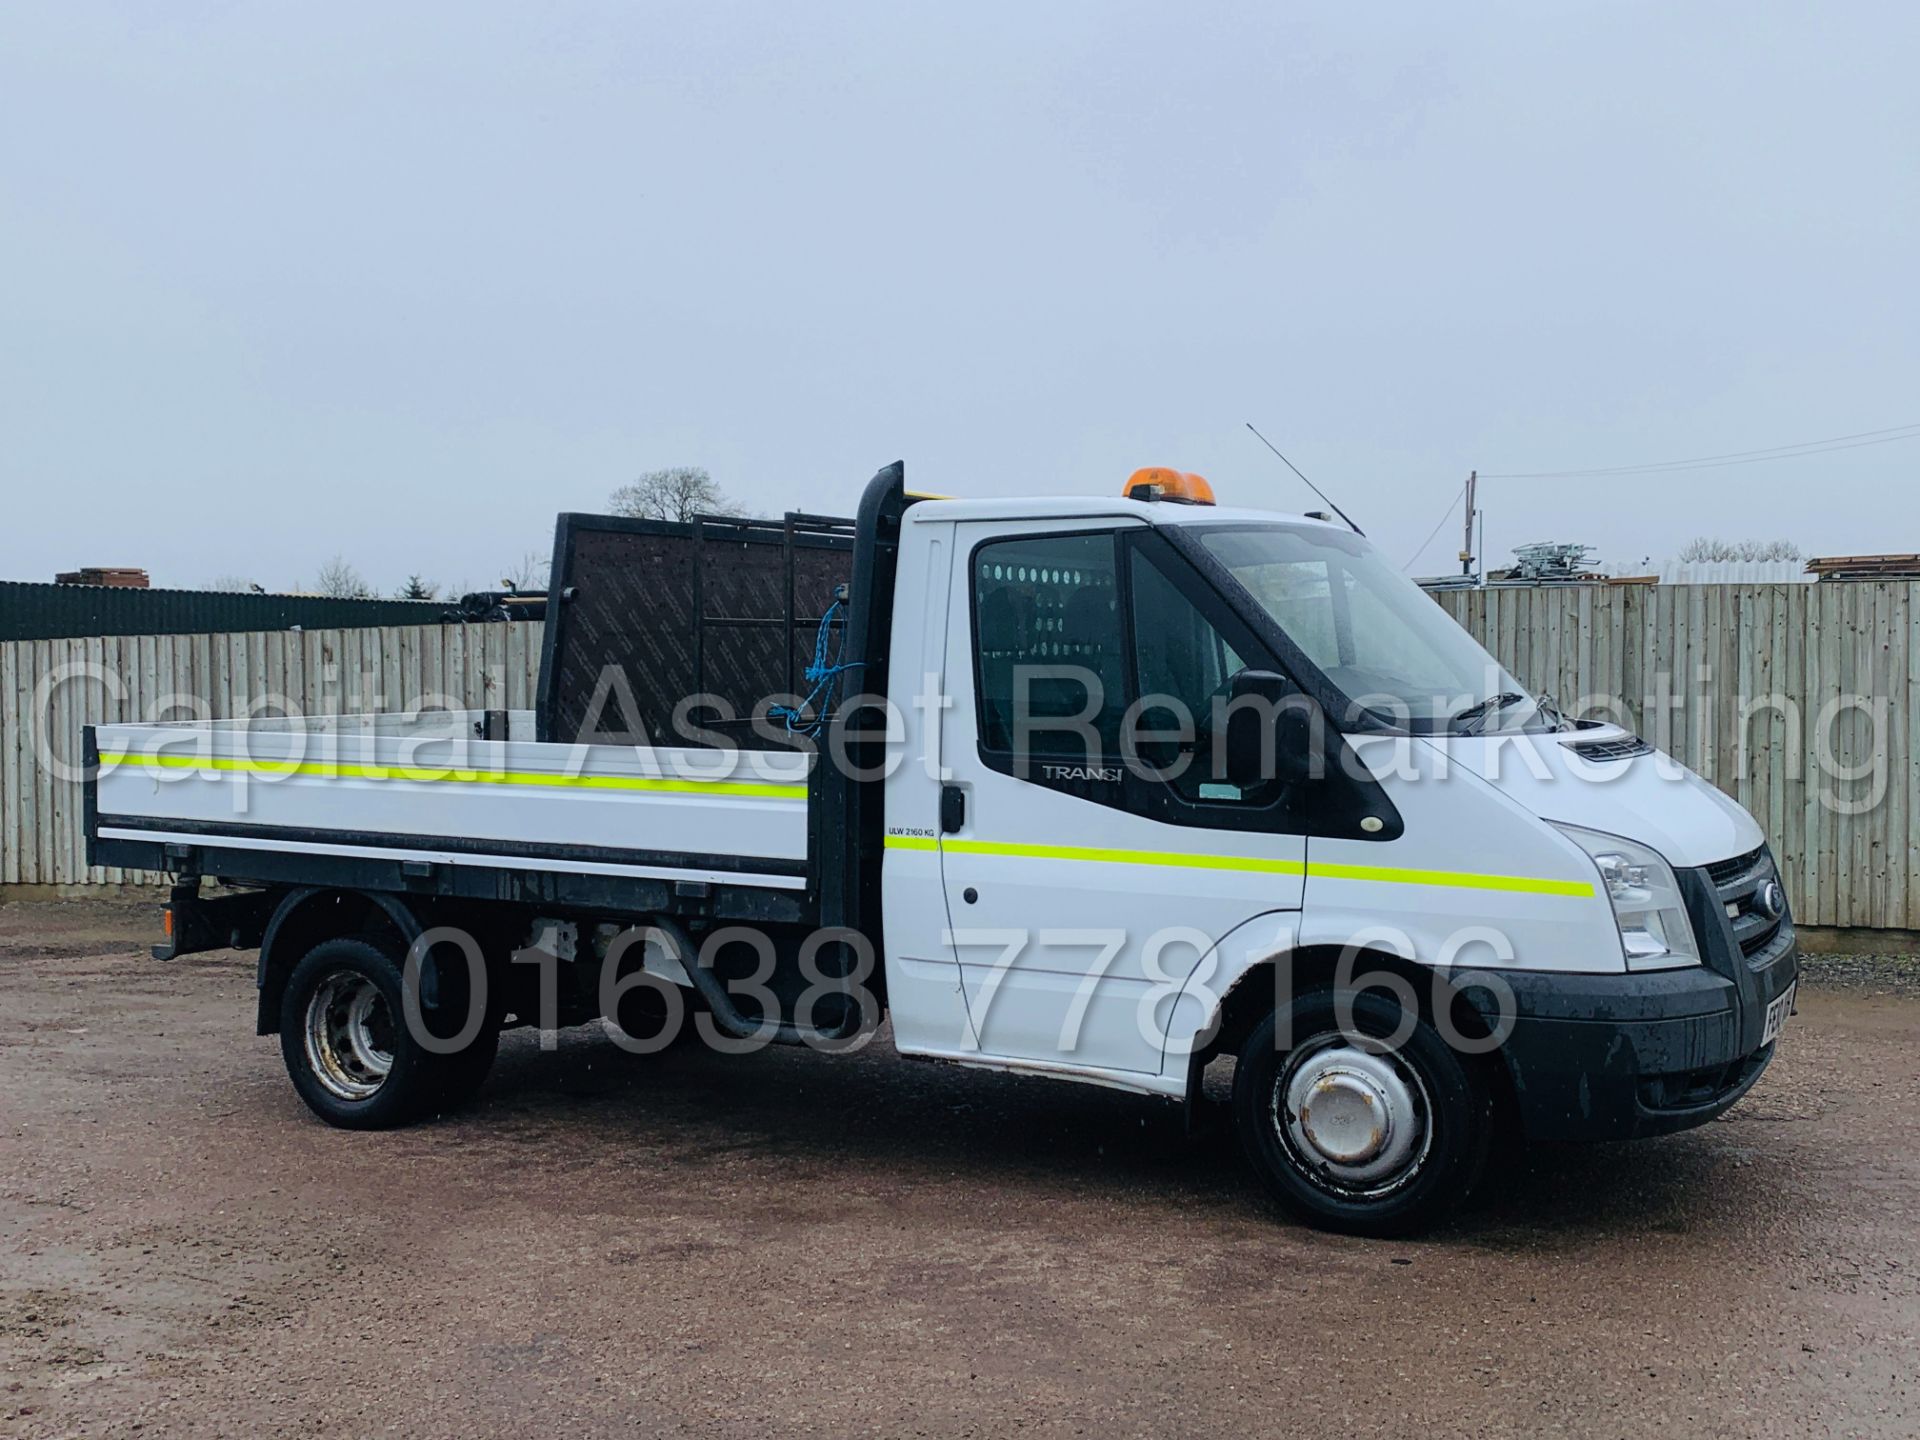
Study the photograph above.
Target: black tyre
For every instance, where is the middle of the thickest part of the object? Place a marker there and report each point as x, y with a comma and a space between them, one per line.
1354, 1136
461, 1075
349, 1051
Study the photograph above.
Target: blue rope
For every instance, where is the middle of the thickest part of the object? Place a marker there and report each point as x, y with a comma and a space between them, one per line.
824, 676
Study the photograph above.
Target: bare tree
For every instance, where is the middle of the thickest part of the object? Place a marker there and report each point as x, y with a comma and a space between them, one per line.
530, 574
232, 585
341, 581
1709, 548
677, 493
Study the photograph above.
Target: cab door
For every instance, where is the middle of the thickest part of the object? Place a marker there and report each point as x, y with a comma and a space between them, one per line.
1086, 869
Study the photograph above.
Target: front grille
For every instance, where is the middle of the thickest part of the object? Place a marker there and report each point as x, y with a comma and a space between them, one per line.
1737, 883
1725, 872
1601, 751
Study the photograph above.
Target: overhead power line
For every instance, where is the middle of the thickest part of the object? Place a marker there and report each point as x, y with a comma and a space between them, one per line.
1713, 462
1445, 516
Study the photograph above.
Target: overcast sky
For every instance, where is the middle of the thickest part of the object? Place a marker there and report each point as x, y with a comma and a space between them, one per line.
402, 281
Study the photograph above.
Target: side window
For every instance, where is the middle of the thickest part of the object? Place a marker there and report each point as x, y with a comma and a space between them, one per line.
1183, 663
1050, 656
1181, 659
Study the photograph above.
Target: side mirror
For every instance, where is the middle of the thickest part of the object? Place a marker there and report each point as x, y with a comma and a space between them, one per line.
1271, 734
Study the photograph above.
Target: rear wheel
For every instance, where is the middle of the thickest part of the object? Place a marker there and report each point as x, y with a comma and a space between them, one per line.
1354, 1134
348, 1048
464, 1073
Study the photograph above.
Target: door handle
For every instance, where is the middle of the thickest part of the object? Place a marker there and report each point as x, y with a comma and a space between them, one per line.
953, 809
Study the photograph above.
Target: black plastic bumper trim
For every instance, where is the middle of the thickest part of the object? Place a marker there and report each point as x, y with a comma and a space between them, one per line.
1591, 1056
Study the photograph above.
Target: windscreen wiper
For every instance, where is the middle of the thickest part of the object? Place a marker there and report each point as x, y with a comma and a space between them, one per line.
1482, 711
1550, 708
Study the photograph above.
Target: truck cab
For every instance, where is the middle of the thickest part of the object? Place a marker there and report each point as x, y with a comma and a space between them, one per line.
1078, 880
1119, 787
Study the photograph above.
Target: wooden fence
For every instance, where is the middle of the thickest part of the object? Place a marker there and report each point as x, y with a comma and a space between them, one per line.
1800, 701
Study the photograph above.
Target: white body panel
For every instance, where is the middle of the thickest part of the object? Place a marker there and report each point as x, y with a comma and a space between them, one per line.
1458, 828
1651, 798
1076, 959
1457, 824
923, 986
351, 783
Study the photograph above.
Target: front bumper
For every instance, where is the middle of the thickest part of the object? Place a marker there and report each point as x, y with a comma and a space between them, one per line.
1615, 1057
1601, 1057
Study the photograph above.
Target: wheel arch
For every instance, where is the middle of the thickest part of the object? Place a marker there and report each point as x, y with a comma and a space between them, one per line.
306, 916
1255, 991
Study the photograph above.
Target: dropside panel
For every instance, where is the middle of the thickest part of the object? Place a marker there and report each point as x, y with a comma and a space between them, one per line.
437, 791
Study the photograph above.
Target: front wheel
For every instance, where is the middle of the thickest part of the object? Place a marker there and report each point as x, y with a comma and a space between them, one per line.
1353, 1133
349, 1051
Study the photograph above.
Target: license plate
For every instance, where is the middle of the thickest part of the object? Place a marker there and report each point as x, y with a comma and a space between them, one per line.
1777, 1013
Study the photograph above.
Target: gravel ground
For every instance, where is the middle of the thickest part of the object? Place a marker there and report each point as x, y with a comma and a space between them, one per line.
1876, 974
692, 1244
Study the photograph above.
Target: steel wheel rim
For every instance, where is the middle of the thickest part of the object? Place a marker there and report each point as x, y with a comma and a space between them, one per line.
1355, 1119
349, 1035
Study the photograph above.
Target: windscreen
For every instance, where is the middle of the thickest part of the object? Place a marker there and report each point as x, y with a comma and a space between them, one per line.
1372, 632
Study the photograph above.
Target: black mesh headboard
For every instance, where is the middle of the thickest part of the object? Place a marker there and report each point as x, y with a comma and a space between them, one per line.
642, 613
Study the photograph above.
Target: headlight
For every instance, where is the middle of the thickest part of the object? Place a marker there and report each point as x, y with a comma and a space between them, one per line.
1647, 905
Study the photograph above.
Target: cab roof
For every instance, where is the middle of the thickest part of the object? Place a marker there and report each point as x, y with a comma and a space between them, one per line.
1101, 507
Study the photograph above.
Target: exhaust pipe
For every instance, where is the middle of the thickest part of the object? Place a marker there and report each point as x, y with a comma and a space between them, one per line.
728, 1016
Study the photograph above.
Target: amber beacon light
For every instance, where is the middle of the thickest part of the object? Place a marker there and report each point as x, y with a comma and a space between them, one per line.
1158, 482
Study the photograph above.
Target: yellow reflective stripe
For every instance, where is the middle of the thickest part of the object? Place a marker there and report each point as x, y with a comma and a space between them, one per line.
330, 770
1174, 858
1457, 879
1382, 874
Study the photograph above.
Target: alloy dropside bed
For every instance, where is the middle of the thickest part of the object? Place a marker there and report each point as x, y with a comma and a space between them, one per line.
461, 803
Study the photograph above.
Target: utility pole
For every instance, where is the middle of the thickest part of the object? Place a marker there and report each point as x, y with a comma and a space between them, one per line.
1466, 544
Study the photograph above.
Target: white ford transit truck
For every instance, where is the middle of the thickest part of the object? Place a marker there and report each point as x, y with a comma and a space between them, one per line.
1096, 789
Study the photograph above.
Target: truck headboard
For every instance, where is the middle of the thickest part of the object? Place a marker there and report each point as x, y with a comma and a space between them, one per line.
642, 614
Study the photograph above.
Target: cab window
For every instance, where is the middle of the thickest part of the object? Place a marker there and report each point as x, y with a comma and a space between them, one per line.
1051, 657
1184, 666
1181, 660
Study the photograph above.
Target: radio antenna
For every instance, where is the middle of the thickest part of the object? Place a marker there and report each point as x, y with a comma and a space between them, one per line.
1306, 482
